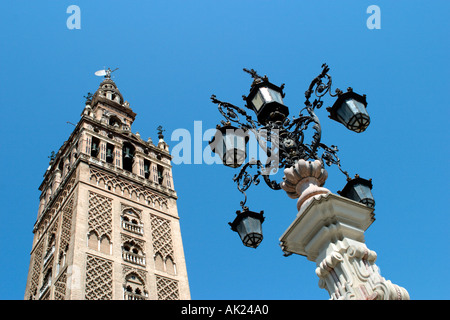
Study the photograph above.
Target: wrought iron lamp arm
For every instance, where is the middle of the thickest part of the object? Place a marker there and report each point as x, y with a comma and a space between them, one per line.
289, 142
244, 179
319, 88
330, 157
229, 110
282, 140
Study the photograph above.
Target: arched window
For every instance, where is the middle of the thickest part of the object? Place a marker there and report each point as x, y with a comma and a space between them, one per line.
159, 262
134, 287
128, 151
170, 266
95, 147
105, 245
146, 168
115, 121
109, 153
93, 240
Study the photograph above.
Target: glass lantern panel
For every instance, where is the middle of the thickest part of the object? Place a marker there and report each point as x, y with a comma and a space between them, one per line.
234, 158
266, 94
365, 195
234, 139
257, 101
276, 96
344, 113
234, 152
354, 116
250, 231
356, 107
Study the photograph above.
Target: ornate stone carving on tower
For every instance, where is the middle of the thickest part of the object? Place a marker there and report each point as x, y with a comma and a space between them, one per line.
329, 230
107, 224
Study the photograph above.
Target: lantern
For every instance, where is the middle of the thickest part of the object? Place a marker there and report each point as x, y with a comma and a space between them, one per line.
266, 100
350, 110
248, 225
229, 143
359, 189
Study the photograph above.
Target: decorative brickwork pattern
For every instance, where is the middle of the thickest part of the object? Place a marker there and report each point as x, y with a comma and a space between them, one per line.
37, 264
117, 184
99, 273
60, 287
167, 288
49, 212
162, 237
100, 215
66, 226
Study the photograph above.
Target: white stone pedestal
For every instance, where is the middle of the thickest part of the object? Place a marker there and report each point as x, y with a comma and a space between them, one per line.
329, 230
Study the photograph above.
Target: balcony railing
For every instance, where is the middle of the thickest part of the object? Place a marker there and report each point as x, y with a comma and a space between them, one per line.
133, 258
127, 295
132, 227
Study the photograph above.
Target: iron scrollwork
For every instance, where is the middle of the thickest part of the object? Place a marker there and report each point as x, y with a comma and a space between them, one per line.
283, 141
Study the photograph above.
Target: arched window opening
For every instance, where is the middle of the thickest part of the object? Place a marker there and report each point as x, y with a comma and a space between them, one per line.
134, 287
159, 262
105, 245
95, 147
160, 170
115, 122
170, 266
128, 151
131, 222
146, 168
93, 240
109, 153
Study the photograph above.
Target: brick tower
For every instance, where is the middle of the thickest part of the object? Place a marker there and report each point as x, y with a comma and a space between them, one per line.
107, 224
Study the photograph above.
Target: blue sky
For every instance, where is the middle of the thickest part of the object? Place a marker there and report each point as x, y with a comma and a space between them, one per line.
172, 55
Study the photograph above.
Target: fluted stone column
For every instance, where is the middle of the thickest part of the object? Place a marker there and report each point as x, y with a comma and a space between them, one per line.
329, 230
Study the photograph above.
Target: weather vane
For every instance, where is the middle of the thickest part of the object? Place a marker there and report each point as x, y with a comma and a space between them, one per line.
105, 72
160, 132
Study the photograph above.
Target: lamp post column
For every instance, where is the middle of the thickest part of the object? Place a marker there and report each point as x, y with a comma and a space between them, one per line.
329, 230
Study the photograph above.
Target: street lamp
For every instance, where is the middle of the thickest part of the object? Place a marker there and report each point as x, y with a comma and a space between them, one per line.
266, 99
328, 229
350, 110
282, 138
229, 143
248, 225
359, 189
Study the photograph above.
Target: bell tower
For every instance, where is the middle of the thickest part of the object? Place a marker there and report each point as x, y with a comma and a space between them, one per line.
107, 225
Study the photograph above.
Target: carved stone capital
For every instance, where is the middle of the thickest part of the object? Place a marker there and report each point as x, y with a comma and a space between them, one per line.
349, 272
304, 180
